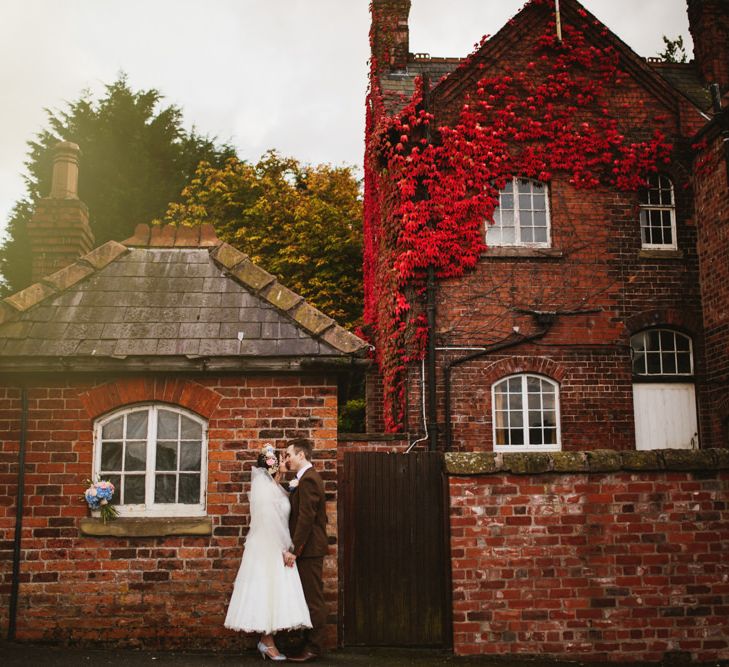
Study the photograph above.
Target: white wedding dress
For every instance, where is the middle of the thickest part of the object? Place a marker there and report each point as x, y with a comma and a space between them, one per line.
267, 596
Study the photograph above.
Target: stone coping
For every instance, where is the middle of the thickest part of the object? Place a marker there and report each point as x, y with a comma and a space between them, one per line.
146, 527
597, 461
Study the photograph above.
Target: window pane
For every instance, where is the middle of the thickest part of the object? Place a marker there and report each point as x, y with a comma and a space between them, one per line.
517, 436
167, 425
684, 362
550, 436
669, 363
111, 456
133, 489
682, 343
135, 456
189, 489
164, 489
654, 363
535, 418
516, 419
137, 425
508, 236
525, 202
113, 430
166, 456
524, 185
506, 201
502, 436
189, 429
535, 436
189, 456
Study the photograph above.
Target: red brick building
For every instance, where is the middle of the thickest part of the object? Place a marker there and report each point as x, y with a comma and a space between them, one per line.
585, 300
162, 363
547, 289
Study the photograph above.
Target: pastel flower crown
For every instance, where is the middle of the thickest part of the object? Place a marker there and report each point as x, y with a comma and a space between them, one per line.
268, 454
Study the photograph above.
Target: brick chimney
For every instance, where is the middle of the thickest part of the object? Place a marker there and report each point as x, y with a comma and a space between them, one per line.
709, 26
390, 35
59, 231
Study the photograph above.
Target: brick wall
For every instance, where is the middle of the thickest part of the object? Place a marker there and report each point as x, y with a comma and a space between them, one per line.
711, 185
150, 591
597, 556
595, 264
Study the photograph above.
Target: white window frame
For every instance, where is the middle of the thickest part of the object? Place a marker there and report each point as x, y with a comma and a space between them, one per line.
518, 242
152, 509
527, 446
656, 182
661, 330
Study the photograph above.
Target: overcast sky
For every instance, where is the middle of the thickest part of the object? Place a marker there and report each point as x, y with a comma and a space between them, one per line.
284, 74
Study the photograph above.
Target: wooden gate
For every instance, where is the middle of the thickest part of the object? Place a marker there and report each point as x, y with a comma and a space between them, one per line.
395, 557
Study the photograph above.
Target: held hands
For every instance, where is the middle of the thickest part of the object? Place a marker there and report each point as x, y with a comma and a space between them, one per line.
289, 559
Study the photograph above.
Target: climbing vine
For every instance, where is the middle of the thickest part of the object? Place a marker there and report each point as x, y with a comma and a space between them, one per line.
428, 189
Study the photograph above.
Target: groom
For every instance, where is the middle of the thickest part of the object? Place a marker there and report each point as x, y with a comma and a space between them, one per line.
307, 523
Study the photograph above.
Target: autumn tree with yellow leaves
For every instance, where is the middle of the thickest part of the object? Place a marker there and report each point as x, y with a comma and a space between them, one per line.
301, 223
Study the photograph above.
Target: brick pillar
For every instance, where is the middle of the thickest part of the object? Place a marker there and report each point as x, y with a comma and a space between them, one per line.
709, 26
390, 35
59, 231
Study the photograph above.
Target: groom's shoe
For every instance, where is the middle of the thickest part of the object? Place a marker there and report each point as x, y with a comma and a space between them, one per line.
305, 656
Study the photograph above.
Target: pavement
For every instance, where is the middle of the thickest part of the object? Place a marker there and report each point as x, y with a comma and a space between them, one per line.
14, 654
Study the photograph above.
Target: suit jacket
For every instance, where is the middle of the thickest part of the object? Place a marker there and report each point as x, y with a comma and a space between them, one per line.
308, 518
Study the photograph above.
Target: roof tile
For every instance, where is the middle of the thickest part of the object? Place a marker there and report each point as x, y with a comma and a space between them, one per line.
30, 296
104, 254
228, 256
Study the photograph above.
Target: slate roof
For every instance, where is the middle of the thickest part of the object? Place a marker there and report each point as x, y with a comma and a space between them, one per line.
172, 298
685, 78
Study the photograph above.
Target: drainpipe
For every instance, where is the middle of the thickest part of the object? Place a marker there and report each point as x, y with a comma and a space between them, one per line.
432, 425
511, 341
18, 514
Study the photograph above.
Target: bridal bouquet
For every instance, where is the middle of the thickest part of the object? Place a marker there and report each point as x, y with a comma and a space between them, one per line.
98, 496
268, 454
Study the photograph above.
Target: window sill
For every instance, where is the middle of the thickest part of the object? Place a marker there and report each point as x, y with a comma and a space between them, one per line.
146, 527
656, 253
522, 251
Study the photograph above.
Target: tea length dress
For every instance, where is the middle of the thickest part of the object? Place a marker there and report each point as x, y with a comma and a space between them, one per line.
267, 595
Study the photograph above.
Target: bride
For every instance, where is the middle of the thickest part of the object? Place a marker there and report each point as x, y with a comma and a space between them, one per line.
267, 596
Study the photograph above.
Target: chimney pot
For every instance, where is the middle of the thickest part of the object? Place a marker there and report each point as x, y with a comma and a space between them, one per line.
64, 184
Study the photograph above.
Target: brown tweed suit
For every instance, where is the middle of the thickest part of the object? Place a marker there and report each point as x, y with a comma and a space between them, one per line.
308, 526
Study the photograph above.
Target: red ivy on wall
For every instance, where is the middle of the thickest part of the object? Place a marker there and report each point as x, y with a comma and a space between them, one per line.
426, 201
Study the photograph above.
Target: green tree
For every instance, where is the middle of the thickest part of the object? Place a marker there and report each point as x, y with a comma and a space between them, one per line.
135, 159
302, 223
674, 51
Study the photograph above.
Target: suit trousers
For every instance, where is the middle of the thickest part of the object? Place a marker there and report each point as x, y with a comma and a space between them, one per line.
310, 571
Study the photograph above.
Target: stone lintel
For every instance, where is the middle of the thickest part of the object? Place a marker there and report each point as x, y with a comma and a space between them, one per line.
146, 527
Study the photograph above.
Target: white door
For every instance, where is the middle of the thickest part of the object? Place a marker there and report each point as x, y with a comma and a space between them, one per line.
665, 416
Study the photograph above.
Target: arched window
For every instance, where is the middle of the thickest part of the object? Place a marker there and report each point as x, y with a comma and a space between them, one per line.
156, 457
661, 352
522, 217
658, 214
526, 414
